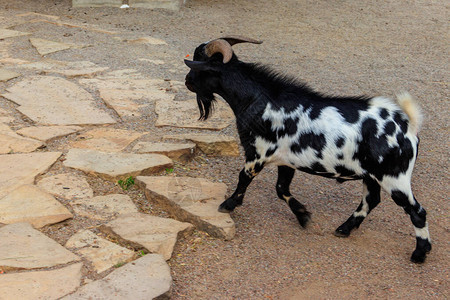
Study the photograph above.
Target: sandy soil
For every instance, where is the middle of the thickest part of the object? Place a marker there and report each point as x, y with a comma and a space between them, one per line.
338, 47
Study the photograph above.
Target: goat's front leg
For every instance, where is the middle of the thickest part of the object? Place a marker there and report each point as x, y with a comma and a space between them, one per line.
245, 178
285, 175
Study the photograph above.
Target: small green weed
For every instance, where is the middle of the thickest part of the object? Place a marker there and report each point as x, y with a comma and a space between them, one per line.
127, 183
169, 170
141, 253
118, 265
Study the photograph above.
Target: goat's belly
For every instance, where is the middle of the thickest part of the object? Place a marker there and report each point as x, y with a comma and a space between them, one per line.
328, 165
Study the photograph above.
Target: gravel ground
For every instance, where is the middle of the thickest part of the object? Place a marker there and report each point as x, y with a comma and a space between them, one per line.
338, 47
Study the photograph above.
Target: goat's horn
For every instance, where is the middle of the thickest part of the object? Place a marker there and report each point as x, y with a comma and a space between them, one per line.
219, 46
236, 39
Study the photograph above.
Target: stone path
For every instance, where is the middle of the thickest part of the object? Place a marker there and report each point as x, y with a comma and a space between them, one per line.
66, 145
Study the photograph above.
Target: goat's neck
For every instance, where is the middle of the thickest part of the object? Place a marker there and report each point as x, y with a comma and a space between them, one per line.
243, 96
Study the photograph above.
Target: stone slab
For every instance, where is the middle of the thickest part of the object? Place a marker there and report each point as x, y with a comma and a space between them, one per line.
68, 186
42, 99
5, 117
23, 247
185, 114
20, 169
157, 62
154, 4
11, 142
106, 139
214, 145
117, 81
45, 47
47, 133
147, 40
101, 253
179, 152
155, 234
66, 68
141, 91
125, 74
124, 102
116, 166
49, 285
6, 74
7, 33
30, 204
145, 278
34, 14
83, 26
96, 3
193, 200
4, 59
103, 208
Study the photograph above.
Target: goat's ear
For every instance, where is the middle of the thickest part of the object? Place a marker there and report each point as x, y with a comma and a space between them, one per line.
200, 65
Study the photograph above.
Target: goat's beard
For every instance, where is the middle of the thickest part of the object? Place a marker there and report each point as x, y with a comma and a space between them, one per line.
205, 105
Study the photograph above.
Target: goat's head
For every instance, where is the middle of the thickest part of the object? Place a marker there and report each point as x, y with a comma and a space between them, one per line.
209, 60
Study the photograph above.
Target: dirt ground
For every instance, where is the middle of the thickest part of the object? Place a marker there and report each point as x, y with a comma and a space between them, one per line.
337, 47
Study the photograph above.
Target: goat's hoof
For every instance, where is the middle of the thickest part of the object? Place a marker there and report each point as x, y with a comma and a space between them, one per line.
418, 256
342, 232
225, 207
304, 218
223, 210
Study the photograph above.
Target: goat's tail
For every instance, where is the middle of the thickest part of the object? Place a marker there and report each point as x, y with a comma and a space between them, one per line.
410, 107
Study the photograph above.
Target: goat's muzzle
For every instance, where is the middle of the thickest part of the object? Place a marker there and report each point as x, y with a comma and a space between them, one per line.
188, 83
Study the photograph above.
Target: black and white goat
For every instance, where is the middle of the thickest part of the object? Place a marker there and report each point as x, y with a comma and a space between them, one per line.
283, 122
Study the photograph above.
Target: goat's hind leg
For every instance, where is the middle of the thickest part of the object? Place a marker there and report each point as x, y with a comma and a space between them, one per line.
371, 198
400, 190
245, 178
285, 175
418, 217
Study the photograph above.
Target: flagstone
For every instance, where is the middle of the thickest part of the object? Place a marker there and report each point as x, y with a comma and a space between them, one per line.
153, 61
210, 144
147, 40
124, 101
47, 133
185, 114
66, 68
68, 186
48, 285
193, 200
105, 207
4, 59
101, 253
45, 47
5, 117
7, 33
24, 247
6, 74
116, 166
34, 14
30, 204
20, 169
155, 234
145, 278
152, 4
180, 152
89, 27
121, 74
51, 100
138, 89
11, 142
121, 83
96, 3
106, 139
